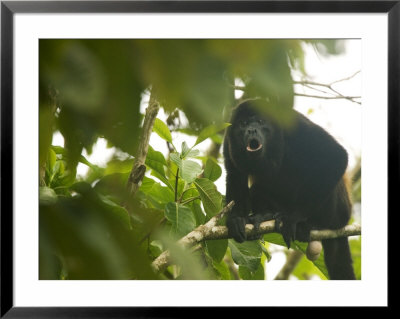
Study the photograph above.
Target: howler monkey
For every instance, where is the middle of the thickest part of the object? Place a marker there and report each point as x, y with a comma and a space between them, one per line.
298, 180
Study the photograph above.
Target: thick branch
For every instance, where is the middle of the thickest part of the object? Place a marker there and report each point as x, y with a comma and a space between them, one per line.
221, 232
139, 167
210, 231
346, 231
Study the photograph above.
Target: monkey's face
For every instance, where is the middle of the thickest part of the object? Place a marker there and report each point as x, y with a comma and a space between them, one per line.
253, 134
255, 141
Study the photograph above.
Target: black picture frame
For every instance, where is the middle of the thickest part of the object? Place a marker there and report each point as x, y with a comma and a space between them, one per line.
9, 8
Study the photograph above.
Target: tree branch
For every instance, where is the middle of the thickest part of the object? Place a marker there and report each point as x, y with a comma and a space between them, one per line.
292, 260
312, 85
346, 231
350, 98
139, 168
210, 231
345, 79
336, 95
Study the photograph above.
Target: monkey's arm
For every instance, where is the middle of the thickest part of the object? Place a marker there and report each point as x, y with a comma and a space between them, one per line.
237, 190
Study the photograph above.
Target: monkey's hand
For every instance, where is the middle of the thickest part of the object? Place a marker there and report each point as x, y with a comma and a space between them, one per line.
236, 228
292, 228
258, 218
286, 227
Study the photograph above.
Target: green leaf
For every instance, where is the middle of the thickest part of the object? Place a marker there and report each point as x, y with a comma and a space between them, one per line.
355, 246
58, 168
52, 157
61, 150
161, 194
266, 252
217, 138
112, 185
217, 249
91, 239
198, 213
120, 212
212, 170
222, 269
189, 170
175, 158
189, 193
194, 205
305, 269
246, 254
155, 248
147, 184
156, 161
163, 179
277, 239
116, 165
319, 263
181, 218
47, 196
162, 130
193, 153
185, 149
211, 198
210, 131
246, 274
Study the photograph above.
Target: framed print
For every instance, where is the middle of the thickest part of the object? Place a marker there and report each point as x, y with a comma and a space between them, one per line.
163, 155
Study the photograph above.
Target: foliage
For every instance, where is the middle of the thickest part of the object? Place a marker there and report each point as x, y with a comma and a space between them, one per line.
89, 227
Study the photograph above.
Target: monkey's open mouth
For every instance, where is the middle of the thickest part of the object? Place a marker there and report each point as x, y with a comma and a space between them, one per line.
254, 145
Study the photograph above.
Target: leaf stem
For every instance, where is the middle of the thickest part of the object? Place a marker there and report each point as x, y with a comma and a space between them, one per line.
191, 199
184, 191
176, 184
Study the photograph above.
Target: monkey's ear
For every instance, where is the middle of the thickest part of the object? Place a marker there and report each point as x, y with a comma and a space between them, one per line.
319, 160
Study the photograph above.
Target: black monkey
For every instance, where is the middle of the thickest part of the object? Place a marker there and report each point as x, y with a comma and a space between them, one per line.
298, 179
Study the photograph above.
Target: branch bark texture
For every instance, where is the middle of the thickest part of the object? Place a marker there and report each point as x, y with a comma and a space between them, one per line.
210, 231
139, 168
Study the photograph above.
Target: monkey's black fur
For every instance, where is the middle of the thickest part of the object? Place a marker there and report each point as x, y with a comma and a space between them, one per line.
298, 179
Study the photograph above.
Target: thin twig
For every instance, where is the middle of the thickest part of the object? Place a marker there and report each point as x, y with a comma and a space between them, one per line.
350, 98
327, 85
310, 84
336, 94
315, 89
345, 79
